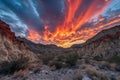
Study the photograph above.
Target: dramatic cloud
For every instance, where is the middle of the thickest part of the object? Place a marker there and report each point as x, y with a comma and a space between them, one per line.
60, 22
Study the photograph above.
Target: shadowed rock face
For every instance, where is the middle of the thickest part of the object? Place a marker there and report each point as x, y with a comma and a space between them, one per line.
40, 48
10, 47
105, 44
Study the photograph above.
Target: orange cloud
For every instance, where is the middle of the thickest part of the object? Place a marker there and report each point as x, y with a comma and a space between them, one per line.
68, 33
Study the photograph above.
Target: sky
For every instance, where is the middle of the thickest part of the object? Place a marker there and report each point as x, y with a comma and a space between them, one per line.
60, 22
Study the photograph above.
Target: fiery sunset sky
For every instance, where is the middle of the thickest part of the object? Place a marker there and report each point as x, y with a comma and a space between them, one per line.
59, 22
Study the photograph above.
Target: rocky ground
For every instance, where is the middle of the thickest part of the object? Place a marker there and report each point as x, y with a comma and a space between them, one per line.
84, 70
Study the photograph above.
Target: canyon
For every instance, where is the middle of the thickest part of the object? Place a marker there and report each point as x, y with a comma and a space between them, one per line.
50, 62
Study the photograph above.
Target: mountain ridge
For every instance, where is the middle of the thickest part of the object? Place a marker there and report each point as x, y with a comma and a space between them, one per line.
101, 35
105, 44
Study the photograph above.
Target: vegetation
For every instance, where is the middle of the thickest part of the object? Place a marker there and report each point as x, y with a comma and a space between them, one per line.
78, 75
60, 61
21, 73
13, 66
57, 64
97, 58
71, 59
46, 59
114, 59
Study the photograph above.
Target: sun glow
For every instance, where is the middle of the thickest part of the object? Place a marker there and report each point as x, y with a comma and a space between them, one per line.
70, 32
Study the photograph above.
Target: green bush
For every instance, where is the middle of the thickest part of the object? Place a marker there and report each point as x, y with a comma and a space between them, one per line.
71, 59
16, 65
61, 58
97, 58
46, 59
57, 64
114, 59
60, 61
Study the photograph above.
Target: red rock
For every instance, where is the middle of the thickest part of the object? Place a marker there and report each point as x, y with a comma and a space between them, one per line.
10, 47
5, 31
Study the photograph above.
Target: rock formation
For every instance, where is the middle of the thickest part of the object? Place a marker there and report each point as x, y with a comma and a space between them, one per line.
10, 47
105, 44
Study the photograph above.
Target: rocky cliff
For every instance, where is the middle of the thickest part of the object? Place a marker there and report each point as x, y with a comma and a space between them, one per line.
10, 47
105, 44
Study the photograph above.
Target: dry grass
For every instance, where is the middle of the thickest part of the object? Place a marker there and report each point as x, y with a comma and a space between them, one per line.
78, 75
83, 66
35, 66
94, 72
80, 61
21, 73
91, 70
113, 66
53, 68
103, 63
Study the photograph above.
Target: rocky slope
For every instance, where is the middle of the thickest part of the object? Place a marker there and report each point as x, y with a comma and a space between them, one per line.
105, 44
41, 48
10, 47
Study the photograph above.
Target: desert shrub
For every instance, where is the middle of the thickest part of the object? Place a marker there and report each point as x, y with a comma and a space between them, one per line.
57, 64
78, 75
97, 58
21, 73
60, 61
61, 58
15, 65
46, 59
114, 59
95, 74
83, 66
53, 68
113, 66
91, 71
71, 60
104, 65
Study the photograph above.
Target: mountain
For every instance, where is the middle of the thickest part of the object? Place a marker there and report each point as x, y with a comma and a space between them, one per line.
10, 47
41, 48
105, 44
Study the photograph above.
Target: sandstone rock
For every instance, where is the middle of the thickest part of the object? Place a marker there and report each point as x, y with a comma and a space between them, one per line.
10, 47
